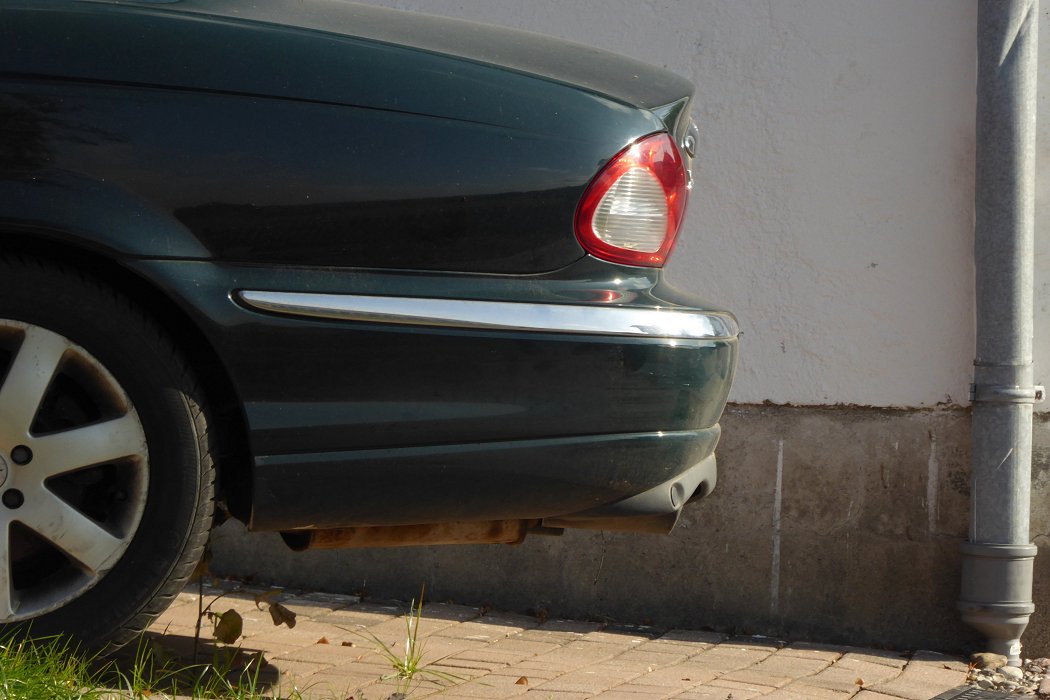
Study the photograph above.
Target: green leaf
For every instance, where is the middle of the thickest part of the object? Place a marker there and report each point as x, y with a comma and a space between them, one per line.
229, 627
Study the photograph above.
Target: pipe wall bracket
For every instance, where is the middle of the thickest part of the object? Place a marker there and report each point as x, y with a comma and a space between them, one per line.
1003, 393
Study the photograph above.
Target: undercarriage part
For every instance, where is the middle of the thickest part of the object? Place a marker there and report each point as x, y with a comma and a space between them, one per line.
484, 532
656, 510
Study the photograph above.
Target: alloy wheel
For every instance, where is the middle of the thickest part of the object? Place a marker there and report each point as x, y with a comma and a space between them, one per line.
73, 470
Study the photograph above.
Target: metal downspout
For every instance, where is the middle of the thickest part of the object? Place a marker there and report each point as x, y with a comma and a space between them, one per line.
997, 562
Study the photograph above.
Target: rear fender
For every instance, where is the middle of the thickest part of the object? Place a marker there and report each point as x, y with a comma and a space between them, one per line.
71, 208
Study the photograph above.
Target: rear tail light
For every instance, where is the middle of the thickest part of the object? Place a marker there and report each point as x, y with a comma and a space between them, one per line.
633, 208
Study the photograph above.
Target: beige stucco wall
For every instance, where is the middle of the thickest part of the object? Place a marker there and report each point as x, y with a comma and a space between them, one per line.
833, 209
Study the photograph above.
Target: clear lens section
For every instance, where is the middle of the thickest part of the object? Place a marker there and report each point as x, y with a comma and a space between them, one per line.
633, 213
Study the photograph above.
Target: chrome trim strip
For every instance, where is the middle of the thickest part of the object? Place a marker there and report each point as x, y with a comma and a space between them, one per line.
499, 315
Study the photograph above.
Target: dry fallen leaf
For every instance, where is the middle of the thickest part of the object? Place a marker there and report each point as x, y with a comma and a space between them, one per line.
859, 681
322, 640
282, 615
522, 681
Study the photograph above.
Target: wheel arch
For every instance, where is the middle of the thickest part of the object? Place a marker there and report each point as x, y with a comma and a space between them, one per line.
231, 454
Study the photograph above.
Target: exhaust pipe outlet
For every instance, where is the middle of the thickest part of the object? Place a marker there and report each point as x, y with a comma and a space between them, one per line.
996, 597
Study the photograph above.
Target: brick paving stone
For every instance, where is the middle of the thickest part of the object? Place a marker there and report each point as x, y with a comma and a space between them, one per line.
418, 688
871, 695
692, 636
492, 686
755, 643
487, 665
805, 650
435, 647
641, 692
330, 654
572, 626
305, 632
308, 607
923, 679
729, 650
622, 634
708, 692
938, 660
588, 680
524, 646
394, 631
484, 629
751, 689
791, 666
183, 613
451, 611
558, 694
726, 660
335, 683
675, 677
694, 671
503, 657
875, 656
796, 691
653, 659
456, 674
869, 671
844, 680
752, 677
358, 616
671, 647
294, 671
590, 652
533, 670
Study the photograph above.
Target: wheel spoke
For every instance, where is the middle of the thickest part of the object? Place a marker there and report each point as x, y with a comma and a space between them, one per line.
28, 378
6, 604
97, 443
71, 531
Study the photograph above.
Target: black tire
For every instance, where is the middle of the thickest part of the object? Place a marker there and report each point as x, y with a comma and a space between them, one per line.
173, 510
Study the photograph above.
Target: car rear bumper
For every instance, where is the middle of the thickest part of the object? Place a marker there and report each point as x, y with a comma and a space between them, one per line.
375, 399
613, 482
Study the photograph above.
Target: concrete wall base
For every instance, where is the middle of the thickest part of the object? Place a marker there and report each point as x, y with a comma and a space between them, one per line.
859, 543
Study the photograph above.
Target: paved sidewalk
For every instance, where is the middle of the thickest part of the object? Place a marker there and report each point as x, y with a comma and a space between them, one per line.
503, 655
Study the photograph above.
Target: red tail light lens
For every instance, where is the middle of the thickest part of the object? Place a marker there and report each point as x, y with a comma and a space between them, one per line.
633, 208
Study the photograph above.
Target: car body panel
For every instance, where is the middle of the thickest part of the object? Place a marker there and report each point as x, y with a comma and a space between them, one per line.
363, 153
274, 181
330, 51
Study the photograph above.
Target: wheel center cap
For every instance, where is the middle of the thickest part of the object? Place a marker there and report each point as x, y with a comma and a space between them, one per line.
3, 470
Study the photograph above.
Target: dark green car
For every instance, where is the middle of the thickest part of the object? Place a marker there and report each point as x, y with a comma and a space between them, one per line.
362, 277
